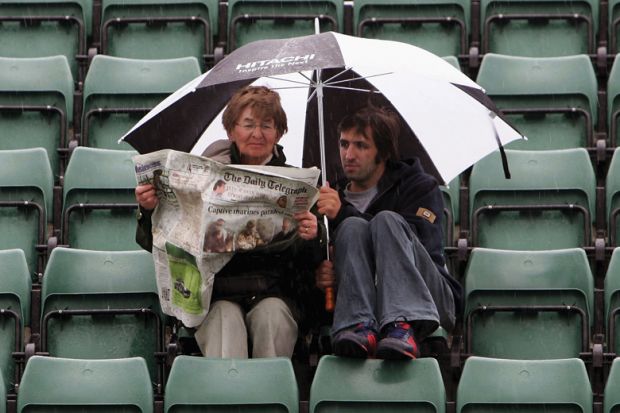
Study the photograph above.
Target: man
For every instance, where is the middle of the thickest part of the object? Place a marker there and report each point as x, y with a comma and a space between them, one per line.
393, 286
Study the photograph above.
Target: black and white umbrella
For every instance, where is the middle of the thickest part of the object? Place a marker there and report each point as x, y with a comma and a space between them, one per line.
448, 121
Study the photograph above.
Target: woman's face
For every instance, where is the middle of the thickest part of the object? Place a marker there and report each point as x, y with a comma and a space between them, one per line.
254, 137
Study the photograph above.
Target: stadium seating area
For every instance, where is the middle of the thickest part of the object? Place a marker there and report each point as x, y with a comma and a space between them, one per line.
538, 255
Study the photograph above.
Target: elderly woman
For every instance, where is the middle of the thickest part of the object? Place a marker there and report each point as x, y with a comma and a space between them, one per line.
253, 294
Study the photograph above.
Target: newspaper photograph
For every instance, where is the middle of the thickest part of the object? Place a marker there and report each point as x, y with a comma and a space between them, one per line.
209, 211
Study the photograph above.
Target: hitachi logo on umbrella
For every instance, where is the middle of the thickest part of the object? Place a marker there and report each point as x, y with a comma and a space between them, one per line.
274, 63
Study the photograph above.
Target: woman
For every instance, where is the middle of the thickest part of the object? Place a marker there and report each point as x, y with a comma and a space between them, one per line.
253, 294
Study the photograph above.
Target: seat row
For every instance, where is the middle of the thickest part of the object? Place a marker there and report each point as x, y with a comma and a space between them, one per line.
555, 102
105, 304
206, 29
552, 201
199, 384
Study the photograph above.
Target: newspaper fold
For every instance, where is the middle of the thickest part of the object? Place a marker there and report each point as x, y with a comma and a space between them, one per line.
209, 211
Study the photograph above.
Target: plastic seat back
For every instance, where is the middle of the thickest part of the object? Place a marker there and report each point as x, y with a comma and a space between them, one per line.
613, 103
119, 91
36, 104
352, 385
250, 20
439, 26
52, 384
198, 384
612, 192
611, 402
552, 101
528, 304
612, 302
159, 29
26, 183
101, 305
491, 385
15, 285
548, 203
450, 195
539, 27
99, 205
48, 28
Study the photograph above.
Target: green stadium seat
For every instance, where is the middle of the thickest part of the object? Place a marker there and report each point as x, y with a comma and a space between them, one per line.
36, 104
250, 20
101, 305
198, 384
539, 28
548, 203
611, 402
612, 192
159, 29
2, 395
528, 304
119, 91
439, 26
26, 183
15, 285
450, 195
43, 28
552, 101
612, 302
614, 26
491, 385
613, 102
53, 384
364, 386
99, 205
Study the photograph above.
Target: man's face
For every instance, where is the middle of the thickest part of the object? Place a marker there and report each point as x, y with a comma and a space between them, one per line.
359, 155
254, 137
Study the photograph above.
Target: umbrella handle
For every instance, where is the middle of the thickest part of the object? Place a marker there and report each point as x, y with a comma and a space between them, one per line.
329, 300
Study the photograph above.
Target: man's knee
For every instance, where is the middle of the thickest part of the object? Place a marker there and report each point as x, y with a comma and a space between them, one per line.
389, 222
352, 228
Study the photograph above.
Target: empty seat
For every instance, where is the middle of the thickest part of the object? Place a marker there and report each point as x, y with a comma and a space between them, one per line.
26, 183
15, 285
491, 385
440, 26
611, 402
353, 385
159, 29
119, 91
450, 194
613, 102
225, 385
41, 28
552, 101
250, 20
101, 305
36, 104
99, 205
548, 203
612, 190
614, 26
612, 303
539, 27
528, 304
53, 384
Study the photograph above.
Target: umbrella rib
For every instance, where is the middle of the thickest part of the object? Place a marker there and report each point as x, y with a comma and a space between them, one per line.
359, 78
352, 88
290, 80
338, 74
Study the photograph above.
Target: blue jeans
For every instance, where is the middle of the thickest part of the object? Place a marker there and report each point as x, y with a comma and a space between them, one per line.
384, 275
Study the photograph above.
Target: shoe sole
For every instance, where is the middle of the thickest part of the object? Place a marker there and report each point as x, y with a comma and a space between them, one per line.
349, 348
389, 349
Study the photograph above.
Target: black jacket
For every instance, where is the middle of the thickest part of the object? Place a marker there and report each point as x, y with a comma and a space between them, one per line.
406, 189
250, 276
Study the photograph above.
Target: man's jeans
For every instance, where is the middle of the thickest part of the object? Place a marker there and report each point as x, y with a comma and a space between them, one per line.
385, 275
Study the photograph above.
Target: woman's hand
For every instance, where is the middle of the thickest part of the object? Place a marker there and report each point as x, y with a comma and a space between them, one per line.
307, 226
146, 196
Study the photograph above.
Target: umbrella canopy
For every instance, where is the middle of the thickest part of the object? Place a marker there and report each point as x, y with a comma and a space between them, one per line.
448, 122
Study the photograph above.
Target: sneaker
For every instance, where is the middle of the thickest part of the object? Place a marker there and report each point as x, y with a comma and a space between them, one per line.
398, 342
357, 342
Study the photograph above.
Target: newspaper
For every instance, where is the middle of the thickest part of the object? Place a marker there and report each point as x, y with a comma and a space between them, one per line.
207, 212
